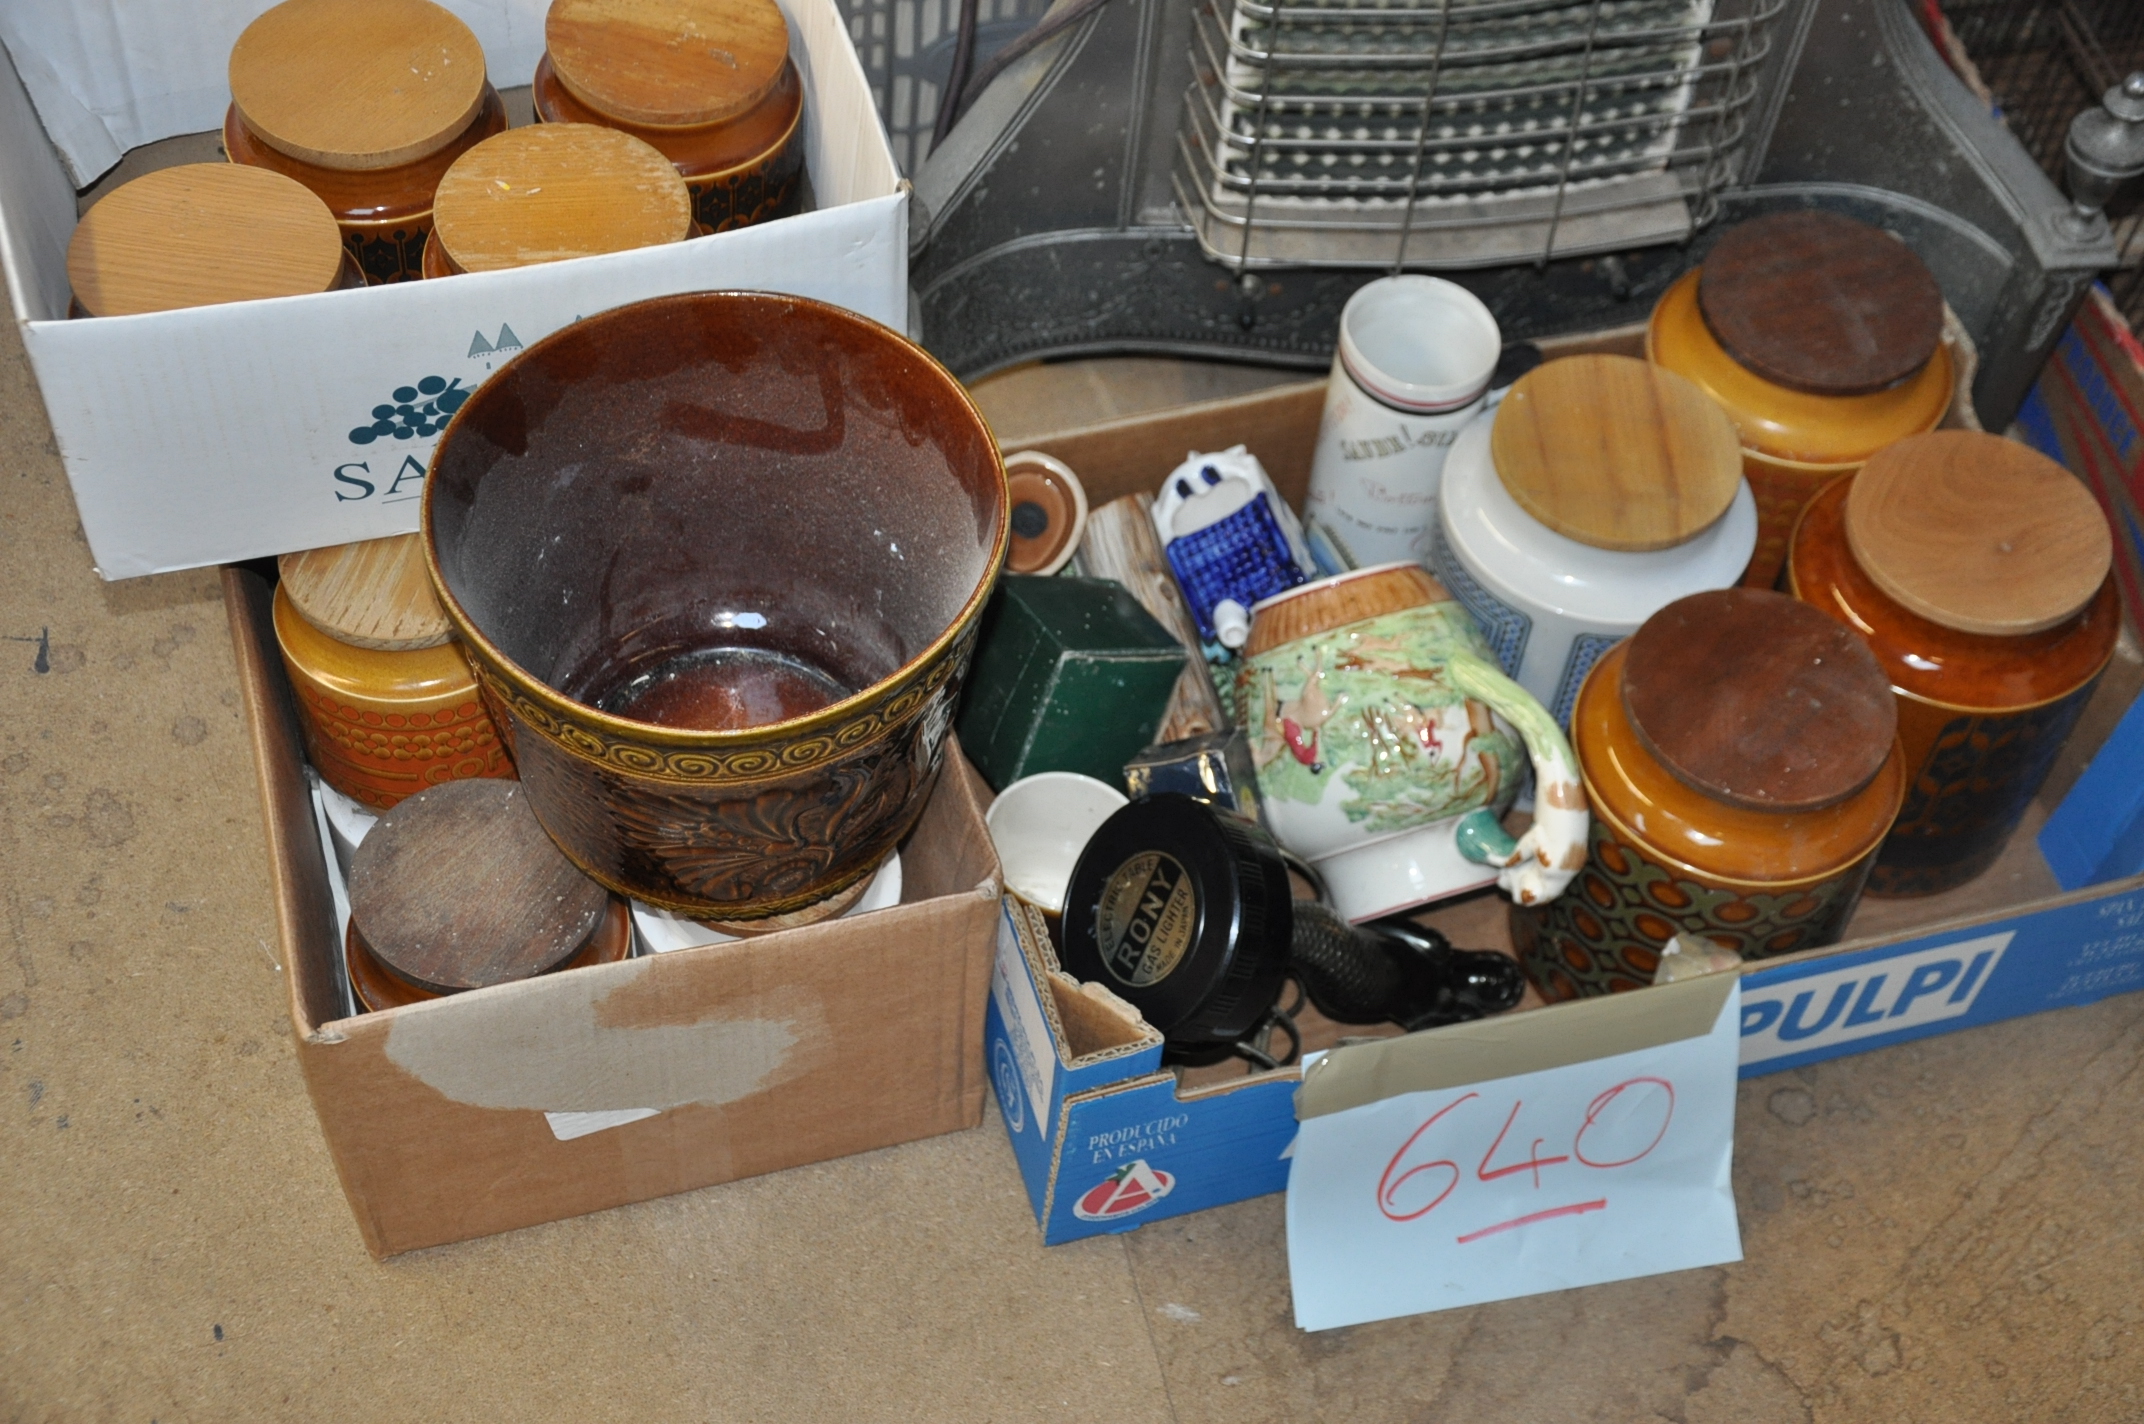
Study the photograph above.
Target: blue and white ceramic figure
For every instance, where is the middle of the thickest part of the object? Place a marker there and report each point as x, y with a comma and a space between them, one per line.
1231, 540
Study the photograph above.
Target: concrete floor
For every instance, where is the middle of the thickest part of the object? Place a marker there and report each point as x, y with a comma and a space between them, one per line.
1939, 1232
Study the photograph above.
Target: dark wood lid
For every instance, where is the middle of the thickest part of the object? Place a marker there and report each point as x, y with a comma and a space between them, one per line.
1978, 533
1756, 699
1821, 303
458, 887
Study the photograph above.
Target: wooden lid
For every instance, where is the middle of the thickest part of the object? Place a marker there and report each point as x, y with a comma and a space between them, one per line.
1821, 303
667, 63
1616, 453
164, 241
1977, 533
458, 887
357, 84
553, 191
372, 594
1759, 700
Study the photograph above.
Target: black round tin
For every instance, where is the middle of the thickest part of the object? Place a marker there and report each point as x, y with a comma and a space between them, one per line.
1184, 910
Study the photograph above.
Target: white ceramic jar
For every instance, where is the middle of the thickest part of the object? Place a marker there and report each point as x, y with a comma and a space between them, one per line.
1415, 358
1550, 604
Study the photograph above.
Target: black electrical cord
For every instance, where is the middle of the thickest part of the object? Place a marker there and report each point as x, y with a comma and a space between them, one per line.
956, 78
961, 90
1396, 971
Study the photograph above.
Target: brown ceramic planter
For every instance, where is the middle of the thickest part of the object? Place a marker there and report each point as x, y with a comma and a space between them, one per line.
658, 514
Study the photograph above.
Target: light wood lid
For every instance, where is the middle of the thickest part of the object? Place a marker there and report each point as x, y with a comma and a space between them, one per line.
357, 84
1977, 533
1821, 303
1758, 700
553, 191
201, 234
459, 887
667, 63
1616, 453
372, 594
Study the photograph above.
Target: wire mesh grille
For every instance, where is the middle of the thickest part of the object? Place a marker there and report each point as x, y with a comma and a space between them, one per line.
2041, 62
906, 47
1462, 132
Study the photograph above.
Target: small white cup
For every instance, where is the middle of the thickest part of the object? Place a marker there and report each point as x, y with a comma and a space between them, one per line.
1414, 362
1040, 824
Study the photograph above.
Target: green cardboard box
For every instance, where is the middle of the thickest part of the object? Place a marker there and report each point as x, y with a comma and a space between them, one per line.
1071, 675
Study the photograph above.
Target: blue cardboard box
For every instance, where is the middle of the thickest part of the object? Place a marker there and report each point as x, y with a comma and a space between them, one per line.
1108, 1140
2087, 410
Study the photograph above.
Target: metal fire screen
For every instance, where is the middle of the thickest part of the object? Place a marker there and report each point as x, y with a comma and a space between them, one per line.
1460, 133
2037, 63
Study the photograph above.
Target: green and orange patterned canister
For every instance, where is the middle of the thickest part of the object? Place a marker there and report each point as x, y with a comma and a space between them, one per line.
1741, 756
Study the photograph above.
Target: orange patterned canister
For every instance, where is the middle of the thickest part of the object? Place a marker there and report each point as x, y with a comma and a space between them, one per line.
708, 83
1822, 339
383, 721
1979, 573
367, 103
1741, 756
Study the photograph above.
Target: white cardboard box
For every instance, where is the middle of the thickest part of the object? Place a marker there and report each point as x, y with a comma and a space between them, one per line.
222, 433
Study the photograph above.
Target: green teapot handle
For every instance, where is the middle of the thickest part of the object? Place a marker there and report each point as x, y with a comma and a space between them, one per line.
1538, 865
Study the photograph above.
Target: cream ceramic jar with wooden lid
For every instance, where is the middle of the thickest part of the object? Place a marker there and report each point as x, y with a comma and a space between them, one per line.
367, 103
1601, 490
164, 241
385, 695
553, 192
708, 82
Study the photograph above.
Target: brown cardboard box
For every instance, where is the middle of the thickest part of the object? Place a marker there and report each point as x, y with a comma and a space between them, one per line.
758, 1055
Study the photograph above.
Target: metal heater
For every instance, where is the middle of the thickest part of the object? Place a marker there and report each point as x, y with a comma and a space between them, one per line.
1216, 177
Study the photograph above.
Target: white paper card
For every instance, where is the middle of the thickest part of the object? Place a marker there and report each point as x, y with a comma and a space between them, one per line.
566, 1126
1593, 1171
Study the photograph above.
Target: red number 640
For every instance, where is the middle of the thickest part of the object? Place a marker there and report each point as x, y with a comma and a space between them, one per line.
1621, 1132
